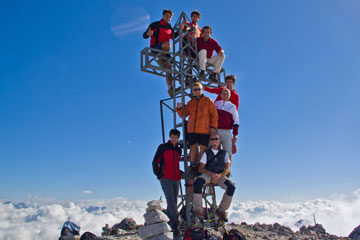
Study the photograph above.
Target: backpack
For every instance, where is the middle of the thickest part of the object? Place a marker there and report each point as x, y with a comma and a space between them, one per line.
69, 230
196, 234
72, 227
233, 234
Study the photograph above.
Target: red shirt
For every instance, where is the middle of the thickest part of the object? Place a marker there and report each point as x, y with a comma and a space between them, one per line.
210, 45
234, 97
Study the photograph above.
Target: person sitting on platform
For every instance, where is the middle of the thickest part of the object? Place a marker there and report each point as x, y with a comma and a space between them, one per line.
190, 51
195, 17
203, 120
166, 168
161, 32
206, 46
228, 119
214, 166
230, 82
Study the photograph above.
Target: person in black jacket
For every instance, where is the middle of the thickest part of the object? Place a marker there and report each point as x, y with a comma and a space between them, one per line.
166, 168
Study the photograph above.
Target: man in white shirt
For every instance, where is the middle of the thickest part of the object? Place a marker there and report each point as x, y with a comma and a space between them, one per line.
214, 166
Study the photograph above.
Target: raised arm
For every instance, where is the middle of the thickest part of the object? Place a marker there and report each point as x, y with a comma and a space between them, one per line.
216, 90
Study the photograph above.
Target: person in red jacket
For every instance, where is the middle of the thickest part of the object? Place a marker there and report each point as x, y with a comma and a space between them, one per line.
230, 82
161, 32
166, 168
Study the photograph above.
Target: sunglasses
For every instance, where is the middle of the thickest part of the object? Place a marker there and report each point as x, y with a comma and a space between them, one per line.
214, 139
197, 89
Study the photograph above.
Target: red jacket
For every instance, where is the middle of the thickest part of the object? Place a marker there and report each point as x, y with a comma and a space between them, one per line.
166, 161
228, 116
163, 32
234, 97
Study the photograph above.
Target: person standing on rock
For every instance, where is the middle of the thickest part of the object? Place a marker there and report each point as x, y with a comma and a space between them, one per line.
214, 166
166, 168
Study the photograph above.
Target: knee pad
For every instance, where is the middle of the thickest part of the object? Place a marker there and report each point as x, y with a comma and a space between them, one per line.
198, 184
230, 188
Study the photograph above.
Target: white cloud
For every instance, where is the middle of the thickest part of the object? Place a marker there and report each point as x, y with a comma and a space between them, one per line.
87, 192
139, 24
339, 215
39, 218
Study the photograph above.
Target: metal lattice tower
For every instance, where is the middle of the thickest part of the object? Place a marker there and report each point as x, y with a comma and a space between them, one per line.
184, 71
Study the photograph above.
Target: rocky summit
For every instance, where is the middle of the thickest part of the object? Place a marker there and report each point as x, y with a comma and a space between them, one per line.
255, 231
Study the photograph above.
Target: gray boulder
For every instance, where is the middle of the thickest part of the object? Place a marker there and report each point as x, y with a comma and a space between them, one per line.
127, 224
148, 231
355, 234
155, 216
164, 236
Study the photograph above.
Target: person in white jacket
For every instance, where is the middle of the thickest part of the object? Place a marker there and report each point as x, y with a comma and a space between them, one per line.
228, 120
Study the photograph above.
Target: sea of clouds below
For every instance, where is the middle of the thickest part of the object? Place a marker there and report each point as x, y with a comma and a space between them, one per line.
39, 218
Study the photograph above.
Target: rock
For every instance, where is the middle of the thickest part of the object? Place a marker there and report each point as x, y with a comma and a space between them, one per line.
153, 208
164, 236
154, 203
155, 216
127, 224
153, 230
318, 228
106, 230
355, 234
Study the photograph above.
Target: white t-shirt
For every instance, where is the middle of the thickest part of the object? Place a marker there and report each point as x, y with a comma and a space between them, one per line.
204, 157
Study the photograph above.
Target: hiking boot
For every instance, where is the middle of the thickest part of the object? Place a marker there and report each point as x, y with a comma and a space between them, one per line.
176, 234
222, 215
214, 77
170, 92
202, 75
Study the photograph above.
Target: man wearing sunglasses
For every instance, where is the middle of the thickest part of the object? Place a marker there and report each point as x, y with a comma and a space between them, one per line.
214, 166
203, 120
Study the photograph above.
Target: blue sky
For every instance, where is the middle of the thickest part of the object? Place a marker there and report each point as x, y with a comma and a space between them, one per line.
78, 114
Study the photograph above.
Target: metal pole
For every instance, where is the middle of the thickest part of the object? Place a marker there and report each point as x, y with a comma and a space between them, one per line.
162, 121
